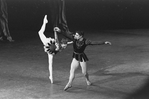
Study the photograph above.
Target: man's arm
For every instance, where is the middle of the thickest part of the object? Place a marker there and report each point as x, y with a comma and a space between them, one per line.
70, 42
89, 42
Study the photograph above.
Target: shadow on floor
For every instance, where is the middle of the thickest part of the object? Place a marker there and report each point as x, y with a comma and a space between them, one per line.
142, 93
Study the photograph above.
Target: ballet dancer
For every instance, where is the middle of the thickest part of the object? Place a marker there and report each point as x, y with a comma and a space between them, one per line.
51, 45
79, 57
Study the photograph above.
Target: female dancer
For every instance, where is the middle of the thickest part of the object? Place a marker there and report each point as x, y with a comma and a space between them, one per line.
51, 45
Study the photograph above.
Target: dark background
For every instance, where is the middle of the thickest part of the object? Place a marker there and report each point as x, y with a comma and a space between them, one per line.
82, 14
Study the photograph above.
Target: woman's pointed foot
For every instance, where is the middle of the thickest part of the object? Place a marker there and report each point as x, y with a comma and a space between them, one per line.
51, 79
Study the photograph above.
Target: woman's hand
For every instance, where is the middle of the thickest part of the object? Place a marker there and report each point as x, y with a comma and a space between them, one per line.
57, 29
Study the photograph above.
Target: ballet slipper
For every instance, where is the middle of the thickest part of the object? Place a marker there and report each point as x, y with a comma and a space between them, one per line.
89, 83
67, 87
51, 79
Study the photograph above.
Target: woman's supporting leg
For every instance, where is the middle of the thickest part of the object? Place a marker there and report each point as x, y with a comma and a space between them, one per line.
50, 60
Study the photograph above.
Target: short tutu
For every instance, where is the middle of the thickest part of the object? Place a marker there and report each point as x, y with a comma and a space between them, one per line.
50, 49
80, 57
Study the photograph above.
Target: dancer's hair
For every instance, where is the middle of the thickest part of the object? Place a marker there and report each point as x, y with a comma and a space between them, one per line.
81, 33
64, 41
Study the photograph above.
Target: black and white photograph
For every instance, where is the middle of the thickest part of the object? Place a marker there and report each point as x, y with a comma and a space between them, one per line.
74, 49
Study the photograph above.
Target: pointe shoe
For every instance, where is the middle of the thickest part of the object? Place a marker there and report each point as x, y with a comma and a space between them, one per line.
67, 87
51, 79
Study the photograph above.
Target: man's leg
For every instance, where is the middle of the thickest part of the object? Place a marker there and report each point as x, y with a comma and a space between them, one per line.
85, 73
74, 66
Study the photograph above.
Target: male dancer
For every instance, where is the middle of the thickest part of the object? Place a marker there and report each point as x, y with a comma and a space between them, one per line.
4, 22
51, 45
79, 57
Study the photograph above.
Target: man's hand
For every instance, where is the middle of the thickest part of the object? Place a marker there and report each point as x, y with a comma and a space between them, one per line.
107, 42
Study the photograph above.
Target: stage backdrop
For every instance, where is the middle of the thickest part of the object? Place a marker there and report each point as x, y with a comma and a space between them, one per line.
82, 14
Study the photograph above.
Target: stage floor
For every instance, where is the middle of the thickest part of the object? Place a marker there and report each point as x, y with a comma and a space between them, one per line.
119, 71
